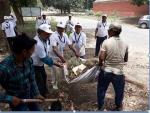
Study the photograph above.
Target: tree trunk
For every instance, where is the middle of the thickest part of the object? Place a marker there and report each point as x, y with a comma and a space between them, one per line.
68, 9
64, 11
5, 9
17, 11
61, 11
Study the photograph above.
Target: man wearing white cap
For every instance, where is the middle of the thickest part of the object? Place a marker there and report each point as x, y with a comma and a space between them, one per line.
8, 28
114, 54
78, 38
40, 57
38, 22
59, 40
45, 20
13, 18
69, 26
101, 33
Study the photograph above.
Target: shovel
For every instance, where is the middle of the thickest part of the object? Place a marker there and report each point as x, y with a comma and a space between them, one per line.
38, 100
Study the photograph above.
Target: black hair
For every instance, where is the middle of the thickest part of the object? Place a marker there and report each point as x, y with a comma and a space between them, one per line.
116, 31
22, 42
39, 31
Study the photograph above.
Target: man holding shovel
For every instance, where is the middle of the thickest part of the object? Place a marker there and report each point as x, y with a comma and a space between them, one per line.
17, 76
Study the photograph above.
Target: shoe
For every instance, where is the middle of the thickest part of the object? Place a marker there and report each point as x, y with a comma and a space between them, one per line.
96, 56
52, 82
55, 86
101, 108
117, 109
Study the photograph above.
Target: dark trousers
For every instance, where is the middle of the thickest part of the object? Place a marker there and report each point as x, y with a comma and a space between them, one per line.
99, 41
118, 82
41, 79
10, 41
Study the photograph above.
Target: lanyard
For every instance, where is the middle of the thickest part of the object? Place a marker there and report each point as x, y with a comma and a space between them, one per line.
77, 39
44, 21
104, 24
69, 22
61, 39
44, 44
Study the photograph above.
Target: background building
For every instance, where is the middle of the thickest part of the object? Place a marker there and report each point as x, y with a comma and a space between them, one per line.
122, 7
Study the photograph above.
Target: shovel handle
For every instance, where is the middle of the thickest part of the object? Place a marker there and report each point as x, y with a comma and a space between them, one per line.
37, 100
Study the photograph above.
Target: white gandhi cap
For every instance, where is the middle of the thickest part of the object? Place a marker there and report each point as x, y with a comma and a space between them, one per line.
5, 17
46, 28
78, 24
104, 15
61, 25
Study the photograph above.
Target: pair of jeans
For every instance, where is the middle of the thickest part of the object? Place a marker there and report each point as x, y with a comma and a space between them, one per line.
99, 41
41, 79
118, 82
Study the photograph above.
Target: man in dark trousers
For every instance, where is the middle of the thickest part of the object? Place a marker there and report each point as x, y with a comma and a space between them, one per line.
113, 55
17, 76
101, 33
40, 57
9, 31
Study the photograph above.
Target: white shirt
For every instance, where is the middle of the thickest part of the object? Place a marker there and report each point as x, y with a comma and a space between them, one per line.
102, 29
115, 50
80, 42
8, 27
14, 20
38, 23
41, 51
70, 25
45, 21
60, 42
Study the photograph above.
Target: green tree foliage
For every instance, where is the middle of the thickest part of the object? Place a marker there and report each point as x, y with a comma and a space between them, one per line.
66, 5
140, 2
88, 4
24, 3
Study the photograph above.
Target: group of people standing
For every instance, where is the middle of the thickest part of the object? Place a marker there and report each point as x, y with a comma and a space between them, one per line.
23, 76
